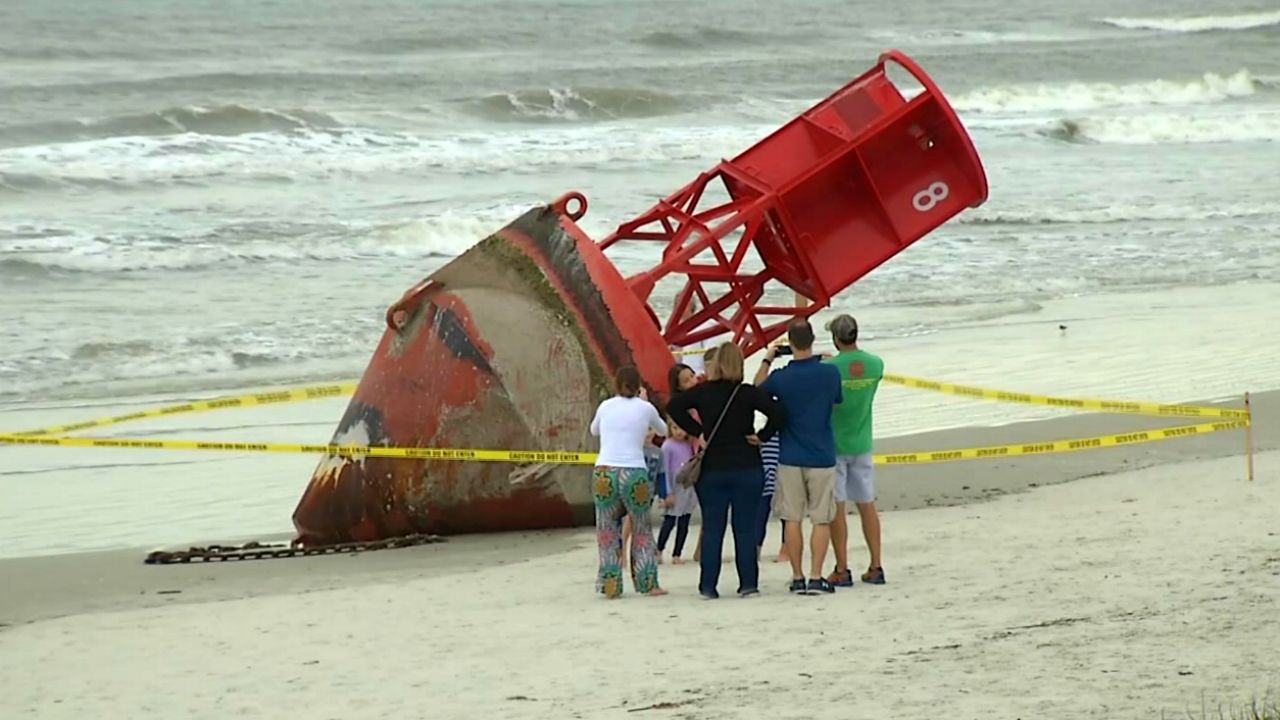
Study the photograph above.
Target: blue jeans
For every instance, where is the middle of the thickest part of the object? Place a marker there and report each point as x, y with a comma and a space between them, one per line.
723, 493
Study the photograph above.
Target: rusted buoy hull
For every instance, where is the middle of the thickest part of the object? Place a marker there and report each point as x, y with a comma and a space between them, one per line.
510, 346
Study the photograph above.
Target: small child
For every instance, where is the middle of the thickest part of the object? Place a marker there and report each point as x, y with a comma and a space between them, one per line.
768, 458
677, 450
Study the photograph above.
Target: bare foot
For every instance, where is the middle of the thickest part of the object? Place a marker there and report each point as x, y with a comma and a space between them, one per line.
678, 561
659, 559
656, 592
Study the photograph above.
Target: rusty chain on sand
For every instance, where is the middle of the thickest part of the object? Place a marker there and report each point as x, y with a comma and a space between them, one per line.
261, 551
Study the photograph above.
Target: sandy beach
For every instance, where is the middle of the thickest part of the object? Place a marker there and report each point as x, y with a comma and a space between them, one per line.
1124, 594
198, 203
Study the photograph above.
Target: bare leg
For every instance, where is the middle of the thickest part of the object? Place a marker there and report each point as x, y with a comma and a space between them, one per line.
793, 544
818, 542
697, 548
871, 530
840, 537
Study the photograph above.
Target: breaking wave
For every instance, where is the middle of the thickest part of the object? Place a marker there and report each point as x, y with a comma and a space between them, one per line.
285, 157
1169, 129
412, 44
1205, 23
1119, 214
221, 120
948, 37
700, 37
218, 358
570, 105
37, 255
1211, 88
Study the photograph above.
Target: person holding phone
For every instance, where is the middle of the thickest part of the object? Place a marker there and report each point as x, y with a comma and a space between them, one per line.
809, 390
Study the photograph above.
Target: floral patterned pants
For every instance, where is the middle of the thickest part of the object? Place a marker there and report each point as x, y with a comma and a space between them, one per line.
619, 492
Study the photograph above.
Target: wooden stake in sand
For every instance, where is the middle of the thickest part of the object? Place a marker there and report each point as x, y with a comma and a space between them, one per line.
1248, 436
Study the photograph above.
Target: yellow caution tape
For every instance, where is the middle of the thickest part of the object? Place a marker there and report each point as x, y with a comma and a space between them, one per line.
1060, 446
337, 390
516, 456
1096, 405
1107, 406
313, 392
582, 458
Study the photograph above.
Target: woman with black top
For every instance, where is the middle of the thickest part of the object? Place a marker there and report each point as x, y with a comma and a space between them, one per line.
732, 476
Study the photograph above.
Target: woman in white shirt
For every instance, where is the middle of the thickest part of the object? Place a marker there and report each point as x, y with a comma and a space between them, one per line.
620, 485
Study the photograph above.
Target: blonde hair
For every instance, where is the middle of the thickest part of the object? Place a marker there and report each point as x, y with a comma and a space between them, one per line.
727, 364
709, 364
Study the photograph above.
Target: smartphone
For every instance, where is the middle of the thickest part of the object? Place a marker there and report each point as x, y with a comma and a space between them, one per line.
784, 350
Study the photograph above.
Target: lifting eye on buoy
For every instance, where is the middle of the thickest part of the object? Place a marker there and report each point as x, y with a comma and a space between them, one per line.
398, 314
573, 204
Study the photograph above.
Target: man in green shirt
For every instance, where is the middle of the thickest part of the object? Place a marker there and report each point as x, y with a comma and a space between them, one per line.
860, 374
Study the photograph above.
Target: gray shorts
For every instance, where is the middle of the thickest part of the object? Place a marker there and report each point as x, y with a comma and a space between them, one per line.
855, 479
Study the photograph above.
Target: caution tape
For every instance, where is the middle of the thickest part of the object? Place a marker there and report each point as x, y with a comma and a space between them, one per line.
42, 436
583, 458
1107, 406
1097, 405
1060, 446
275, 397
509, 456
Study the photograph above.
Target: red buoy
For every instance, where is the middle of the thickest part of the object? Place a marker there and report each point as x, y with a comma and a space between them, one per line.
513, 344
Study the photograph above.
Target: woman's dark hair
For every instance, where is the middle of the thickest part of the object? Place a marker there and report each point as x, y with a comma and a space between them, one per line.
627, 381
673, 378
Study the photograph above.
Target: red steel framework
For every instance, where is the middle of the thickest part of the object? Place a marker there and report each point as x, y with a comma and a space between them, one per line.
823, 200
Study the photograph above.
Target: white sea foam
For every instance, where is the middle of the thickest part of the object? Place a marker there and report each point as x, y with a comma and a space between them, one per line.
1119, 213
1172, 128
948, 37
131, 357
1210, 88
443, 235
1204, 23
191, 158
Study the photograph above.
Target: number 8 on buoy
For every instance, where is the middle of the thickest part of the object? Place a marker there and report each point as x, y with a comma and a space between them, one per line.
928, 198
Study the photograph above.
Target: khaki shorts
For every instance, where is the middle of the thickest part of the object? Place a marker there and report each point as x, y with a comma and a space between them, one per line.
806, 492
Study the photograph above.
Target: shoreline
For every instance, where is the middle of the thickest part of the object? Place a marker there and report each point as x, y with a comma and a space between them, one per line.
51, 586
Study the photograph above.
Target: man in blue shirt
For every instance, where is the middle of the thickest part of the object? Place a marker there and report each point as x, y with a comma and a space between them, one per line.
809, 389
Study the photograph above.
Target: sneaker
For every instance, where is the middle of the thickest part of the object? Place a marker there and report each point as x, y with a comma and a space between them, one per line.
709, 594
820, 585
749, 593
842, 579
798, 587
874, 576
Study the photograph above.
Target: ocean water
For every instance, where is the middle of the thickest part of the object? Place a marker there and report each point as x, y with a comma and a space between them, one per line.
199, 197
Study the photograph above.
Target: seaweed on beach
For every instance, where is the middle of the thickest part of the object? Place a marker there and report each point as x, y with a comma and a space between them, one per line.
1265, 707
